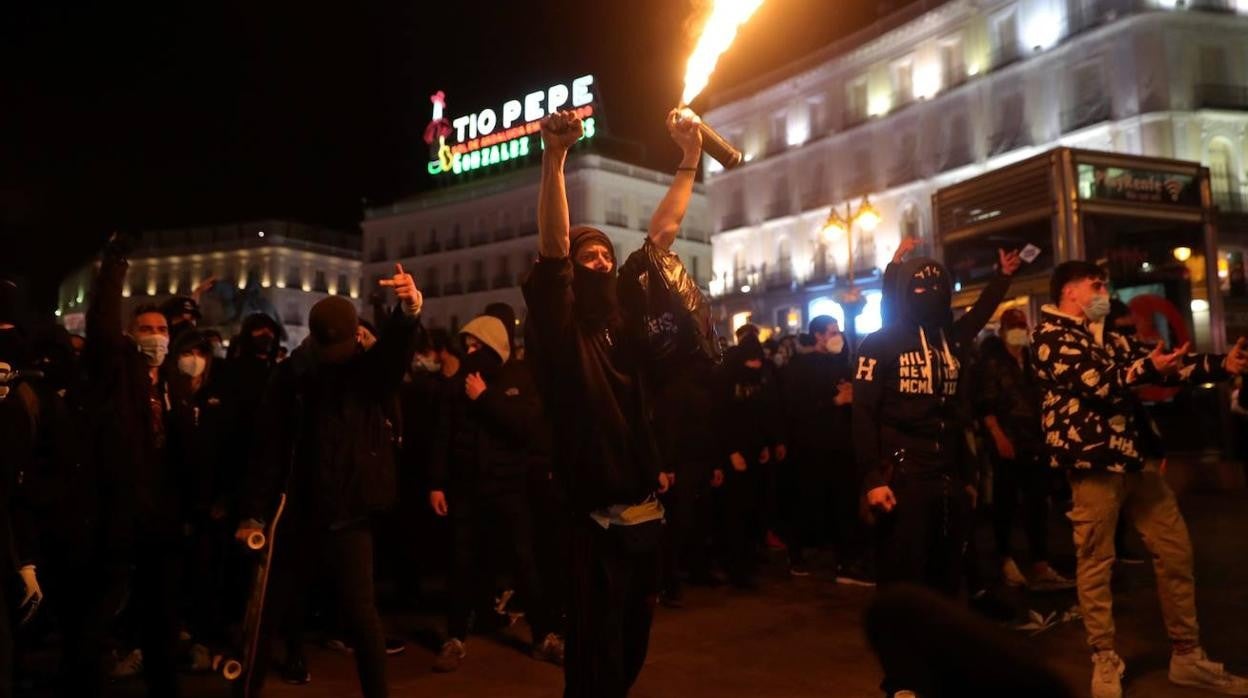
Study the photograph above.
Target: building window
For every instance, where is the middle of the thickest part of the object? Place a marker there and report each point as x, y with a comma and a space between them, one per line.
779, 205
294, 277
162, 282
1222, 179
856, 101
738, 267
379, 250
615, 212
1010, 130
318, 283
293, 315
1005, 38
910, 225
952, 68
342, 284
776, 138
1089, 100
903, 80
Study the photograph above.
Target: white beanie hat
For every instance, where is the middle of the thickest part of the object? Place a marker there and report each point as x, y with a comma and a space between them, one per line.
491, 332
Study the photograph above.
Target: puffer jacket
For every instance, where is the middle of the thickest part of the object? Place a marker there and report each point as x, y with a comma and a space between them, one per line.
1092, 418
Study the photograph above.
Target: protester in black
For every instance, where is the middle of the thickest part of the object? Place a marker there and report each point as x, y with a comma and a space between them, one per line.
478, 477
823, 476
1007, 400
330, 446
589, 374
126, 387
747, 411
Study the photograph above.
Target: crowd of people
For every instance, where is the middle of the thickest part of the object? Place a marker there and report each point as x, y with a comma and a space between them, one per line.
595, 463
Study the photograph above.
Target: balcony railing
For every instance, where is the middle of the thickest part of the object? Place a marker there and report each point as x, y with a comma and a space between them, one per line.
454, 243
1231, 97
408, 250
506, 233
476, 285
477, 239
432, 247
503, 281
431, 289
733, 220
779, 207
1008, 139
377, 255
453, 288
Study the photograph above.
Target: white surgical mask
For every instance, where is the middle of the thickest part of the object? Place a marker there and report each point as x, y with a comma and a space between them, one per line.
155, 347
1017, 337
192, 365
835, 343
218, 351
1097, 308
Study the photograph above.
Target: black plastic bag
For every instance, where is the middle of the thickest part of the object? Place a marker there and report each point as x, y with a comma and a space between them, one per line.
663, 307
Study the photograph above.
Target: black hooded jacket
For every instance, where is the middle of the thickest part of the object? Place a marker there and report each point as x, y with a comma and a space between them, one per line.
486, 446
335, 423
907, 381
746, 404
590, 378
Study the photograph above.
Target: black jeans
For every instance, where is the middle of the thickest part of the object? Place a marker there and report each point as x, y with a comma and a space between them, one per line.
498, 524
687, 512
614, 587
922, 540
83, 596
155, 594
1023, 478
741, 520
302, 554
826, 507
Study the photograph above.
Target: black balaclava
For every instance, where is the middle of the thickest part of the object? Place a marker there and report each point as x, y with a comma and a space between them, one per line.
253, 347
931, 308
596, 302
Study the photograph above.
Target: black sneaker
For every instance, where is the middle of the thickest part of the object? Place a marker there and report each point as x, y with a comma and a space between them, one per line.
295, 671
854, 575
395, 646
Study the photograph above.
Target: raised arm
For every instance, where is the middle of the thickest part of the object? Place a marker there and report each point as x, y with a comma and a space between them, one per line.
682, 125
560, 131
970, 324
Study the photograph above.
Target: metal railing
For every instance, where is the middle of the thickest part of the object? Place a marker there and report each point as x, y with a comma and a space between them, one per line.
1086, 114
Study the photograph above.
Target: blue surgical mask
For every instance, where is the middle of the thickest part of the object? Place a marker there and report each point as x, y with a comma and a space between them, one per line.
1097, 308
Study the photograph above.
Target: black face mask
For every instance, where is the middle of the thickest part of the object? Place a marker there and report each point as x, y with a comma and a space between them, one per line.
483, 361
930, 308
596, 303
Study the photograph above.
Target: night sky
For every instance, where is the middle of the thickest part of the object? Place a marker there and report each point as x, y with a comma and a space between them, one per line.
131, 116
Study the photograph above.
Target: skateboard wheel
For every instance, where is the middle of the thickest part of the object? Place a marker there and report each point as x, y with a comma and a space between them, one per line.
256, 540
232, 669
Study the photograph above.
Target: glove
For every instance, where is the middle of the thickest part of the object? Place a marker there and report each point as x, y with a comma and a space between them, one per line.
33, 596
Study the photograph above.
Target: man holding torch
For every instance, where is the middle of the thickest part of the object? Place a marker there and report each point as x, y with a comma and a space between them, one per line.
589, 368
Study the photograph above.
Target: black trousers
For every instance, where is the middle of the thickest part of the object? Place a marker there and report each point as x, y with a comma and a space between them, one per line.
687, 510
922, 540
304, 553
155, 595
548, 508
741, 520
1021, 483
83, 596
614, 587
825, 501
493, 527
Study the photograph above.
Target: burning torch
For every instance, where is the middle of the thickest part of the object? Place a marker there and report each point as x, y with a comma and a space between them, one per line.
718, 33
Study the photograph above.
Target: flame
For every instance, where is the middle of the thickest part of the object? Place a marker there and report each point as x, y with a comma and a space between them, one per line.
717, 35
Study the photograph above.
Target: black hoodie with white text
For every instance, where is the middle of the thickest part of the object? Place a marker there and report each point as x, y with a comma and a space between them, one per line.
908, 376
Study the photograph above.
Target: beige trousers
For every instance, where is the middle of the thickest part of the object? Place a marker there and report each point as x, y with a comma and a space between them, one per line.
1149, 505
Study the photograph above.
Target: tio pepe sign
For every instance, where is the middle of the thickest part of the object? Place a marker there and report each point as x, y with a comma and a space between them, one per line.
490, 137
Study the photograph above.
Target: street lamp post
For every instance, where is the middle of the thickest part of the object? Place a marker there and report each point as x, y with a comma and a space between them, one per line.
867, 217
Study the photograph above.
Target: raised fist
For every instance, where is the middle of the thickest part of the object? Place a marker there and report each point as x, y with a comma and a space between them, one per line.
561, 131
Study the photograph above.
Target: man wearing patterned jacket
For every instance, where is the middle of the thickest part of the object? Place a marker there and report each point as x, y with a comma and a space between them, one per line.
1097, 430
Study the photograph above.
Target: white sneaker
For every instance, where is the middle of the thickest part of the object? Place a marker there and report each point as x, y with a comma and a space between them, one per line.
905, 694
1013, 576
1047, 579
1196, 669
1107, 671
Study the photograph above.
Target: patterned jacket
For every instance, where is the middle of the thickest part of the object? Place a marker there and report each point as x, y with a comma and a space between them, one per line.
1090, 413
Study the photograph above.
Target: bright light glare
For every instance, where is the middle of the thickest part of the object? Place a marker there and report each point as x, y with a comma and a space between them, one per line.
1042, 31
1200, 305
926, 80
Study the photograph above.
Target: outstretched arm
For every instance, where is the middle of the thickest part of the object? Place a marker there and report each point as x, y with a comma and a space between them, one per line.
665, 223
560, 131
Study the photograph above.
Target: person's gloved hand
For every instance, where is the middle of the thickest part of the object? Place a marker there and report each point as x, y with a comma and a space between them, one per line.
33, 594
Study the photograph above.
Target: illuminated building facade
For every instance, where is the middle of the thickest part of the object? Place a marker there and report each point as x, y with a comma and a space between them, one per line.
278, 267
939, 92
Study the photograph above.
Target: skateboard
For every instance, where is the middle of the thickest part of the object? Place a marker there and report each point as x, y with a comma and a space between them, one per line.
240, 666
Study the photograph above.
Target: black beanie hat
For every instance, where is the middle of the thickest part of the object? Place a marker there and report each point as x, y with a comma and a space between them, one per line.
582, 235
332, 322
